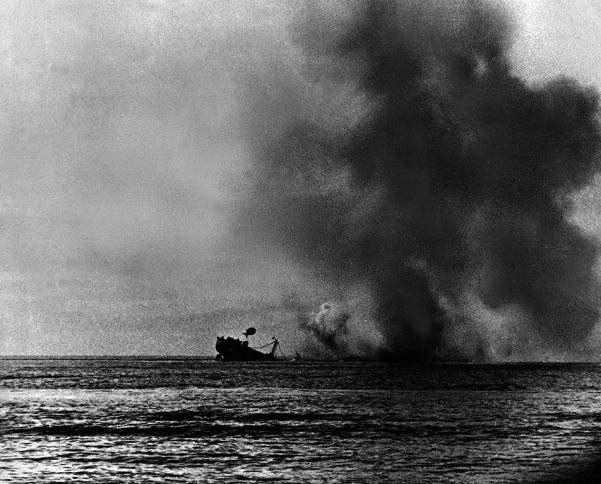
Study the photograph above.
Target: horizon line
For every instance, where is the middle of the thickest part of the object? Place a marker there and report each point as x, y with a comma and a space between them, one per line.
343, 360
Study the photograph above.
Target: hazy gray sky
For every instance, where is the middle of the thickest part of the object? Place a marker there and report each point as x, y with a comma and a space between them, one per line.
124, 162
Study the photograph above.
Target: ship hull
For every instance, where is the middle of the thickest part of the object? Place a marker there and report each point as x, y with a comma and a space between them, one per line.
235, 350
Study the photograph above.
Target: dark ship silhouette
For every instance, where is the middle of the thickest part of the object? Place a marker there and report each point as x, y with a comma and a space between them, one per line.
233, 349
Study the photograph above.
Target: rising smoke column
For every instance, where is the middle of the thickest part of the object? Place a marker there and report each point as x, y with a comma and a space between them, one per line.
329, 327
449, 182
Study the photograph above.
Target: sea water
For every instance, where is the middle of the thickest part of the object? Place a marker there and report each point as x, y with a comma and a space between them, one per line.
195, 420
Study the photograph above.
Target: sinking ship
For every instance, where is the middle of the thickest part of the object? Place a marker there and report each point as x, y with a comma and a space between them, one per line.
233, 349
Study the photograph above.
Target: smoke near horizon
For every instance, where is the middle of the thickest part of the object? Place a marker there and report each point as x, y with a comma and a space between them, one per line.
172, 171
406, 156
329, 327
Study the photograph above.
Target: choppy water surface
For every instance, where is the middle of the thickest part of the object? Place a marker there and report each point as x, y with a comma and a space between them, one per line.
158, 420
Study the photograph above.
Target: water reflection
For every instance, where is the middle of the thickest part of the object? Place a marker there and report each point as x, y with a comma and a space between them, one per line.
120, 420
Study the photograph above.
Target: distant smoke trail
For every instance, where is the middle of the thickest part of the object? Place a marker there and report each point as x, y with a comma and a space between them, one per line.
409, 156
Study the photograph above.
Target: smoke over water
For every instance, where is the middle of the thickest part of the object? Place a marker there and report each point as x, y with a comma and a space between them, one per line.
328, 326
402, 153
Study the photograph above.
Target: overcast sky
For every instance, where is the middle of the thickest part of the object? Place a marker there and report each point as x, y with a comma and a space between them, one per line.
124, 163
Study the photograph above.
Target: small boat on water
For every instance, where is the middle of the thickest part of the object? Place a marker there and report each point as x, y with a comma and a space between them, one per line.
233, 349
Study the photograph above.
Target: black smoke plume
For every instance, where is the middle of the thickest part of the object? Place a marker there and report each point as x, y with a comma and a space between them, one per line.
406, 155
